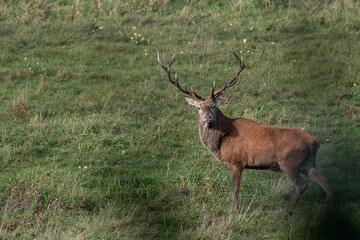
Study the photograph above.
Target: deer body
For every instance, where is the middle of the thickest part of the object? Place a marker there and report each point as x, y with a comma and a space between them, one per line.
241, 143
253, 145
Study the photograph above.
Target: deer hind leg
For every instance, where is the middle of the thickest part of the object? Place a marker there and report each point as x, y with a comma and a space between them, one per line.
308, 169
235, 181
314, 175
299, 183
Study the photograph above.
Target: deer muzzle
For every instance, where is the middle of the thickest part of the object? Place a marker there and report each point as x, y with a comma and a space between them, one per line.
207, 118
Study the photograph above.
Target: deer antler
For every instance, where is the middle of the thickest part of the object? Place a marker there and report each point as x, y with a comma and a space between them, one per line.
232, 81
175, 82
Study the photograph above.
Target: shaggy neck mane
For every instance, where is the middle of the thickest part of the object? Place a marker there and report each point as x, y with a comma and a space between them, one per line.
212, 134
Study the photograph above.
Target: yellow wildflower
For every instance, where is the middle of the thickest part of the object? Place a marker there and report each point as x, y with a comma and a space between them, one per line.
134, 27
101, 27
245, 40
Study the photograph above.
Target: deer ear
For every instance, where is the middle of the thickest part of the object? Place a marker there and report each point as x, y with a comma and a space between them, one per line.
191, 101
219, 97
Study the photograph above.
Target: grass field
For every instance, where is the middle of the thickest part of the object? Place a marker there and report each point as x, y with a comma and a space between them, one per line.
95, 143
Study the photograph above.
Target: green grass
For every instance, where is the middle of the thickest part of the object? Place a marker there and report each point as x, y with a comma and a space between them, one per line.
95, 143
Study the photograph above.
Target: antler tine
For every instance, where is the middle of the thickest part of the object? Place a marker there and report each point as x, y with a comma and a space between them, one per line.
213, 88
167, 68
233, 80
176, 82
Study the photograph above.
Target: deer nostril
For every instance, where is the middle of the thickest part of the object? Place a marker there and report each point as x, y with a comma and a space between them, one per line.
207, 118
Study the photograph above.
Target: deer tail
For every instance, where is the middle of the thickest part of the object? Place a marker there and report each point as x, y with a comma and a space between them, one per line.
316, 145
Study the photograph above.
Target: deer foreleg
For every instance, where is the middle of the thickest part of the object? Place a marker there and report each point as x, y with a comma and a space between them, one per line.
235, 181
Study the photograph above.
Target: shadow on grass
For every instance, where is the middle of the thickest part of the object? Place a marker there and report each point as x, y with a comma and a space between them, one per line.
337, 224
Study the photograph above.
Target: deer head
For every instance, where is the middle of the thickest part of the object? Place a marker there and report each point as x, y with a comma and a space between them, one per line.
207, 109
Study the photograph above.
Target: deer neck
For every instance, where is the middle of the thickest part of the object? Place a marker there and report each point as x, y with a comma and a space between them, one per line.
212, 134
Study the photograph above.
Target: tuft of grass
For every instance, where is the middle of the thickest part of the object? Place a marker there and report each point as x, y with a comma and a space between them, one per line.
19, 105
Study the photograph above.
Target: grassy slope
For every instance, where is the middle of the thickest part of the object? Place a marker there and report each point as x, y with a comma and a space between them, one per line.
95, 143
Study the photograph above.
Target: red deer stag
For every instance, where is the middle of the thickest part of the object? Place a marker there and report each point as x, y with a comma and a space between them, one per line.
241, 143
